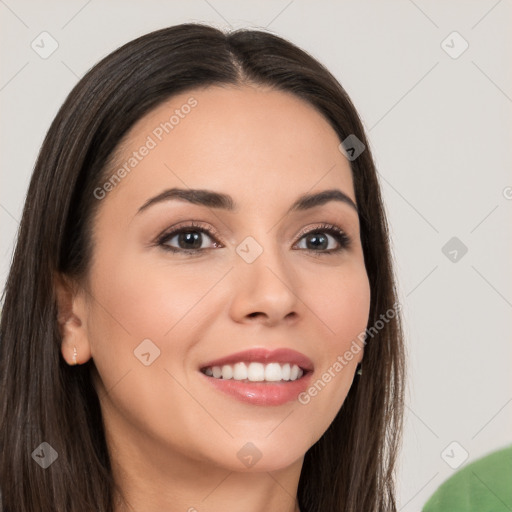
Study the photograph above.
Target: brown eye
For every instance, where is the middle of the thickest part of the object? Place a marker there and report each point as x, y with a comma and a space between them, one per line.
187, 239
190, 240
319, 239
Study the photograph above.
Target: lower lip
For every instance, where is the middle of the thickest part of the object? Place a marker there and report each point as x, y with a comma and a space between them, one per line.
262, 393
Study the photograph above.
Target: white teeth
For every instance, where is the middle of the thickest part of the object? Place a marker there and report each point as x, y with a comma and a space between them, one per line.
227, 371
256, 372
273, 372
240, 371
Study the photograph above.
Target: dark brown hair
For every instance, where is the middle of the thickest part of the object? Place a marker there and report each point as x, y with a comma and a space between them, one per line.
351, 467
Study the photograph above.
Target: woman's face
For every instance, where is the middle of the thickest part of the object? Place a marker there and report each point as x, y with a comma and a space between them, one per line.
242, 278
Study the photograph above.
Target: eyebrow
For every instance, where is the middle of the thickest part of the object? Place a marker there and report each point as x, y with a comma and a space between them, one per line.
222, 201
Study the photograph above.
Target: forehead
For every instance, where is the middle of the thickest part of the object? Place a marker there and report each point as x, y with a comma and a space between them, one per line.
253, 143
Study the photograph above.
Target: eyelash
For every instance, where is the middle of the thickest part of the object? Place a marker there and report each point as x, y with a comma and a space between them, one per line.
339, 235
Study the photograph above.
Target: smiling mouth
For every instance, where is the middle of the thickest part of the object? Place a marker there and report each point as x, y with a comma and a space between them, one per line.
256, 372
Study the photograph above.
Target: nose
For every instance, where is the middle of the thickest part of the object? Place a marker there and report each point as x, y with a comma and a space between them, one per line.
265, 290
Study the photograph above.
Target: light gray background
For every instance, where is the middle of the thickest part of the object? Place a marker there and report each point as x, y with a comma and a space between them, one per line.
440, 132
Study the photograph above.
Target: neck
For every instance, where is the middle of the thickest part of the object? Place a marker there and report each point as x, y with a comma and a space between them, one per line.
174, 482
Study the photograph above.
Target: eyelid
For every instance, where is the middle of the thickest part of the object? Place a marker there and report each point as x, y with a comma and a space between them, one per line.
342, 237
344, 240
187, 225
319, 227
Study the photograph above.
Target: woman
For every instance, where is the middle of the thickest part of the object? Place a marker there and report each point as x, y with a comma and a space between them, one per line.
201, 311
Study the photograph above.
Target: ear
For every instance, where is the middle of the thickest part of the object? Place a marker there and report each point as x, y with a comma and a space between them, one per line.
72, 321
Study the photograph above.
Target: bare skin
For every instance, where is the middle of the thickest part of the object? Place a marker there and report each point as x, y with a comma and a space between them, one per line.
174, 438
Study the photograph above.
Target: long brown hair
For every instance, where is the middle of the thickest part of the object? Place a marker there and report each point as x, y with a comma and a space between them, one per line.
43, 399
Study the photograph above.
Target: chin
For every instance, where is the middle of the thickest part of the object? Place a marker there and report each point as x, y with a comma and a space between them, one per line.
260, 455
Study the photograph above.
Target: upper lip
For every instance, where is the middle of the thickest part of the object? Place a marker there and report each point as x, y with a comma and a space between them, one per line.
262, 355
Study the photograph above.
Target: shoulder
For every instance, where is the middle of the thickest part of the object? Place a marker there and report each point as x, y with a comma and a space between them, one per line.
485, 484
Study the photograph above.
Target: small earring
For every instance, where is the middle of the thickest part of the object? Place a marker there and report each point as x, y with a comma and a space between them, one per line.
360, 370
75, 362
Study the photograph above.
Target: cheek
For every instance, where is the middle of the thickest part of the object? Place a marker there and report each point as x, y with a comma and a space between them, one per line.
342, 304
137, 299
143, 300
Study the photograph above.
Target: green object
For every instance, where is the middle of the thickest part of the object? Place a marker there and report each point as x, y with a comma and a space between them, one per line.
485, 485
